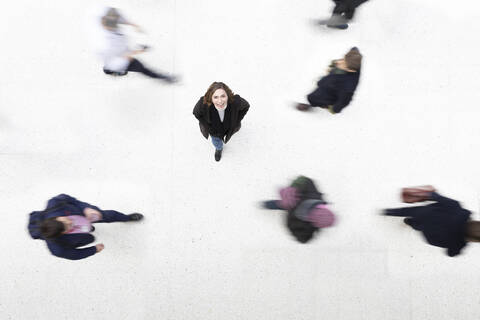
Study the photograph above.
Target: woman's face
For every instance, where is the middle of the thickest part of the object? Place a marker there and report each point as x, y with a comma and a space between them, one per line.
219, 99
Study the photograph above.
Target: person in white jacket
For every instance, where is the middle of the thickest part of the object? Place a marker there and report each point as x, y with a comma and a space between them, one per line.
118, 58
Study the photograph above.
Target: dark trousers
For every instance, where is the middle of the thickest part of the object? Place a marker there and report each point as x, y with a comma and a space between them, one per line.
346, 7
137, 66
414, 213
272, 205
315, 100
112, 216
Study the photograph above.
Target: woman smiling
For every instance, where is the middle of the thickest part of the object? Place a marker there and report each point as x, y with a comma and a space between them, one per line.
220, 113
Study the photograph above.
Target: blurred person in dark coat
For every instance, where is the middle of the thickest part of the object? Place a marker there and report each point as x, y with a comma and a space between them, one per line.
220, 114
66, 225
307, 211
443, 223
335, 90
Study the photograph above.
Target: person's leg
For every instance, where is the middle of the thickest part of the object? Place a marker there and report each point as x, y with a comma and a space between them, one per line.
338, 19
137, 66
113, 216
315, 100
217, 143
340, 7
414, 212
350, 6
271, 205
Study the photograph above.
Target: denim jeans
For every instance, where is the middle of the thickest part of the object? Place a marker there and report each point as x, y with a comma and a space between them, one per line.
217, 142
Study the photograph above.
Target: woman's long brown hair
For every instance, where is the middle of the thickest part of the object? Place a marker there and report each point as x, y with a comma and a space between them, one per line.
207, 98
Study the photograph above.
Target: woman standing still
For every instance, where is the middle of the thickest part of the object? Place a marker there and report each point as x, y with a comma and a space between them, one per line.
220, 113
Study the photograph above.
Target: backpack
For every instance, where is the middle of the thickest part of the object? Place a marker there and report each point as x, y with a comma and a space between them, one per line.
36, 217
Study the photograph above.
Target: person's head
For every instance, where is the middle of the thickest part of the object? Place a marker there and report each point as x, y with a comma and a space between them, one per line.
353, 59
110, 19
54, 227
472, 232
218, 94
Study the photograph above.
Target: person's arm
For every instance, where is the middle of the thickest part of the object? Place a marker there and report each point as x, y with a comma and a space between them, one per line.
199, 112
71, 200
122, 20
444, 200
71, 253
243, 109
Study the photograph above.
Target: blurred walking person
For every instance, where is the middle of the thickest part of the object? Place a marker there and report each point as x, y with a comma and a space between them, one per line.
443, 223
307, 211
335, 90
117, 57
66, 225
219, 113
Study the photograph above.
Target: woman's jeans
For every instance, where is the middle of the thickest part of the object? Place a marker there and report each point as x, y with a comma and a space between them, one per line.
217, 142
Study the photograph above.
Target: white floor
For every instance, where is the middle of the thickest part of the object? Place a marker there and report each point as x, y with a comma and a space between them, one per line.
205, 250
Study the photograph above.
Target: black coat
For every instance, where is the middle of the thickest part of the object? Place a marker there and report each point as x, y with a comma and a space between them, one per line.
442, 223
209, 119
303, 231
336, 90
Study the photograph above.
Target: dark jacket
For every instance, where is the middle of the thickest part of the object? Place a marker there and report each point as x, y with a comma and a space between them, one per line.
303, 231
335, 89
442, 223
209, 119
66, 246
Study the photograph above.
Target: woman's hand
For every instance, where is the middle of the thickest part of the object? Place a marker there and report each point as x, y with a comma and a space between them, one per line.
92, 214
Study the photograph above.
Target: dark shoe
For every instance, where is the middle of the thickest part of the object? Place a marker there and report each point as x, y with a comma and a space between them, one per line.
218, 155
92, 229
338, 26
408, 221
135, 216
303, 106
114, 73
271, 204
171, 79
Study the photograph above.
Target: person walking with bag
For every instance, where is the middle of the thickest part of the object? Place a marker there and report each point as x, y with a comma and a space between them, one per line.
443, 223
66, 225
219, 113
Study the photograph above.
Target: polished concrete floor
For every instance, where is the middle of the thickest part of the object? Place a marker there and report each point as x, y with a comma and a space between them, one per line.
205, 249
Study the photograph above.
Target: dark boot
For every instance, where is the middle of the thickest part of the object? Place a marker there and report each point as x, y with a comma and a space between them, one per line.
338, 26
218, 155
337, 21
135, 216
303, 106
